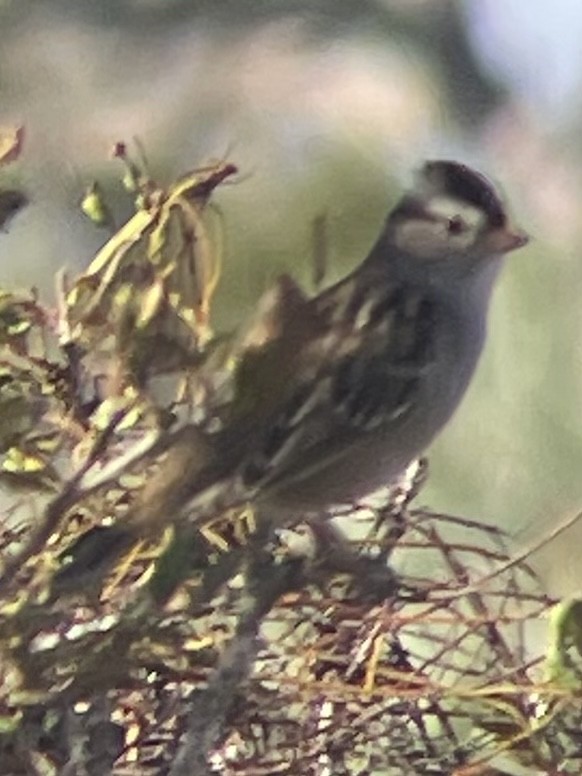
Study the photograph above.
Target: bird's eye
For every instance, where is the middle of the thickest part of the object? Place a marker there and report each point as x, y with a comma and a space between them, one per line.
456, 225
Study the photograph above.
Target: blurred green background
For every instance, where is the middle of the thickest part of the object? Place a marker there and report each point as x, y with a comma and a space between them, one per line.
327, 107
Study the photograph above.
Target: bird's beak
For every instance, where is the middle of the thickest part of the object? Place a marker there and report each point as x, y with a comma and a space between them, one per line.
506, 238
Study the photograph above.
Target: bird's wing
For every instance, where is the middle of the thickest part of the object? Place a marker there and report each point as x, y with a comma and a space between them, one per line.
355, 367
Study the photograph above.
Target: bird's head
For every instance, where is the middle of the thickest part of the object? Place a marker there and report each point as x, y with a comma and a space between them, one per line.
454, 214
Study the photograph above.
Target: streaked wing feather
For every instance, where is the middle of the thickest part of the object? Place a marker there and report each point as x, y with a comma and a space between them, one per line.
373, 347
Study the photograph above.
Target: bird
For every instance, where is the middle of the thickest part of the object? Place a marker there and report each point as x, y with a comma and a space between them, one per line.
334, 395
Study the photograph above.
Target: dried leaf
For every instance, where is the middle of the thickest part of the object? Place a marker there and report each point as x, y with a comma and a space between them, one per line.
11, 142
156, 275
95, 208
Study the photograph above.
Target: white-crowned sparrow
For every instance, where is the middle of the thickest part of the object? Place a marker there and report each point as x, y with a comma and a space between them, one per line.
335, 395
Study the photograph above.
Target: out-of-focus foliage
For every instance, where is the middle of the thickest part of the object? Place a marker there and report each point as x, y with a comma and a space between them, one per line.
11, 200
565, 637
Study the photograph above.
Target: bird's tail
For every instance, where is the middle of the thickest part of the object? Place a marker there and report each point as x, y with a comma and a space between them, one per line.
190, 478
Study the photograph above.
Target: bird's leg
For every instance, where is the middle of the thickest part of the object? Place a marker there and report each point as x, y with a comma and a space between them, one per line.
327, 551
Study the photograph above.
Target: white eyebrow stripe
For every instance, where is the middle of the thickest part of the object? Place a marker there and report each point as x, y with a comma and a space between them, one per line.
447, 207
